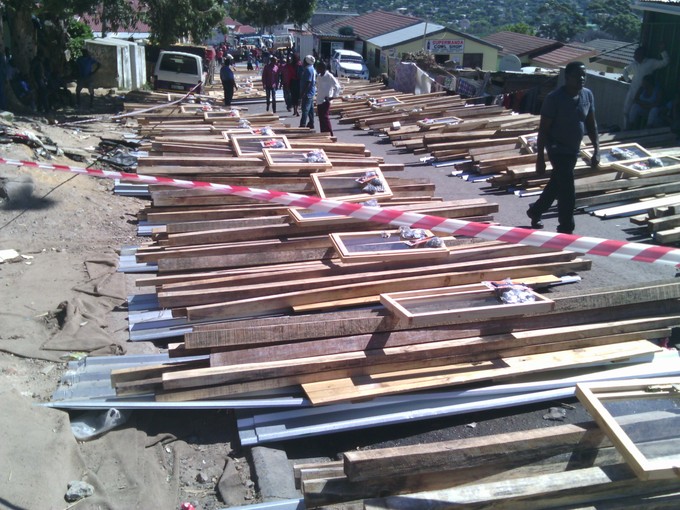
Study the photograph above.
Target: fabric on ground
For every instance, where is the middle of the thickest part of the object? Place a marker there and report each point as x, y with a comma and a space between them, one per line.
127, 468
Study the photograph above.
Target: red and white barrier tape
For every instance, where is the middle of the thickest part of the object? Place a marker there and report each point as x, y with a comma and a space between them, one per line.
587, 245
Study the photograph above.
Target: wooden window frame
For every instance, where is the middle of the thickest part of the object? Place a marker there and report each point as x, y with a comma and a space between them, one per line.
397, 303
407, 253
591, 396
627, 167
359, 196
606, 162
270, 157
249, 145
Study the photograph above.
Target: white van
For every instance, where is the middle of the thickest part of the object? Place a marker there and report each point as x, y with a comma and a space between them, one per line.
178, 72
283, 41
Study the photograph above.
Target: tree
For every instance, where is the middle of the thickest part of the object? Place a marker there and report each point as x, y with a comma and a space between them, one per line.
519, 28
616, 17
171, 20
266, 13
561, 20
625, 27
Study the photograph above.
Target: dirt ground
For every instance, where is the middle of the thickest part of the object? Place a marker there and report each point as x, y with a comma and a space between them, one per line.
57, 222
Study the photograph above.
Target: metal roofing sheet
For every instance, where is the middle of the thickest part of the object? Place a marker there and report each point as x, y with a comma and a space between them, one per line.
406, 34
564, 55
370, 25
519, 44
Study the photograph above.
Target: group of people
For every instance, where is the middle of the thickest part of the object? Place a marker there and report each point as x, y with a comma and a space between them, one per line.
646, 105
44, 87
301, 82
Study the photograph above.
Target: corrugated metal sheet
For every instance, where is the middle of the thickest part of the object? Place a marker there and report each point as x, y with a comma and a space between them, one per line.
257, 427
562, 56
369, 25
520, 44
405, 34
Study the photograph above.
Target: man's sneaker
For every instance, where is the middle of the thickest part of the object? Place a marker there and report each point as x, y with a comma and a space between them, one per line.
535, 220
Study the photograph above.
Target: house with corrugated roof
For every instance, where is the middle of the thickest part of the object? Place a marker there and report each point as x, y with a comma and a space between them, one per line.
446, 44
612, 56
560, 57
351, 32
524, 47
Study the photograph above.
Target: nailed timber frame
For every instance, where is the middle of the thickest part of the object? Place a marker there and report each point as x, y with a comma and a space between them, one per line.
607, 158
253, 144
634, 167
345, 243
594, 395
294, 159
326, 185
467, 301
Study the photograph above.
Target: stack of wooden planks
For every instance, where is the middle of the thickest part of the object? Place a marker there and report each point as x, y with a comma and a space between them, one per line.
267, 297
561, 466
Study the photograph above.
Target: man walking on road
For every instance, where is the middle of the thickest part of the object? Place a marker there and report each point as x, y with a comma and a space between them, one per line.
567, 114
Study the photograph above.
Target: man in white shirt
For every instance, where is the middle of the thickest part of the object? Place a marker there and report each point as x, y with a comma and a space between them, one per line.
638, 69
327, 87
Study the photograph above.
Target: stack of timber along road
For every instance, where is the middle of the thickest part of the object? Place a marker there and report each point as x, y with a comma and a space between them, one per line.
566, 466
492, 144
277, 304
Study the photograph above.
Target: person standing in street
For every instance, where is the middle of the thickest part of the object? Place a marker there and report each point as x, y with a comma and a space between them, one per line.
307, 93
228, 80
87, 66
270, 82
295, 70
327, 88
567, 114
635, 72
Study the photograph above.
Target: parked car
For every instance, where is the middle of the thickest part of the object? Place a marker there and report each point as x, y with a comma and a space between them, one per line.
178, 71
348, 64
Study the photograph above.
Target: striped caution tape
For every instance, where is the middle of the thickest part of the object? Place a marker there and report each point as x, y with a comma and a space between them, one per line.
580, 244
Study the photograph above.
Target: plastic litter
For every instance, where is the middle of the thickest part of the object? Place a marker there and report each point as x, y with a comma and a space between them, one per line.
315, 156
509, 292
412, 233
95, 423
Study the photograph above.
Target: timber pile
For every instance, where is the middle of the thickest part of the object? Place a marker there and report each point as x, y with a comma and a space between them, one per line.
565, 466
272, 304
346, 355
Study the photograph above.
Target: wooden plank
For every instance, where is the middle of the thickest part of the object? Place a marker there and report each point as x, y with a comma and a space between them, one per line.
355, 388
543, 491
486, 459
637, 207
631, 194
443, 344
381, 328
496, 269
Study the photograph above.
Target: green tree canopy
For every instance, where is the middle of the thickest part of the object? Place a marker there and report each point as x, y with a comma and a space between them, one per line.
560, 20
519, 28
266, 13
625, 26
170, 20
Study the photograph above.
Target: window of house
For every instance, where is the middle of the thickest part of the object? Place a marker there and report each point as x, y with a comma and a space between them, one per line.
472, 60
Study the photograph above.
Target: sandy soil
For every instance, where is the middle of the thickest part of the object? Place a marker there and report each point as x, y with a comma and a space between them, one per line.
56, 222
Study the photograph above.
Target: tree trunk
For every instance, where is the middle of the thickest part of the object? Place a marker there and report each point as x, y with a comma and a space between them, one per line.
22, 34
